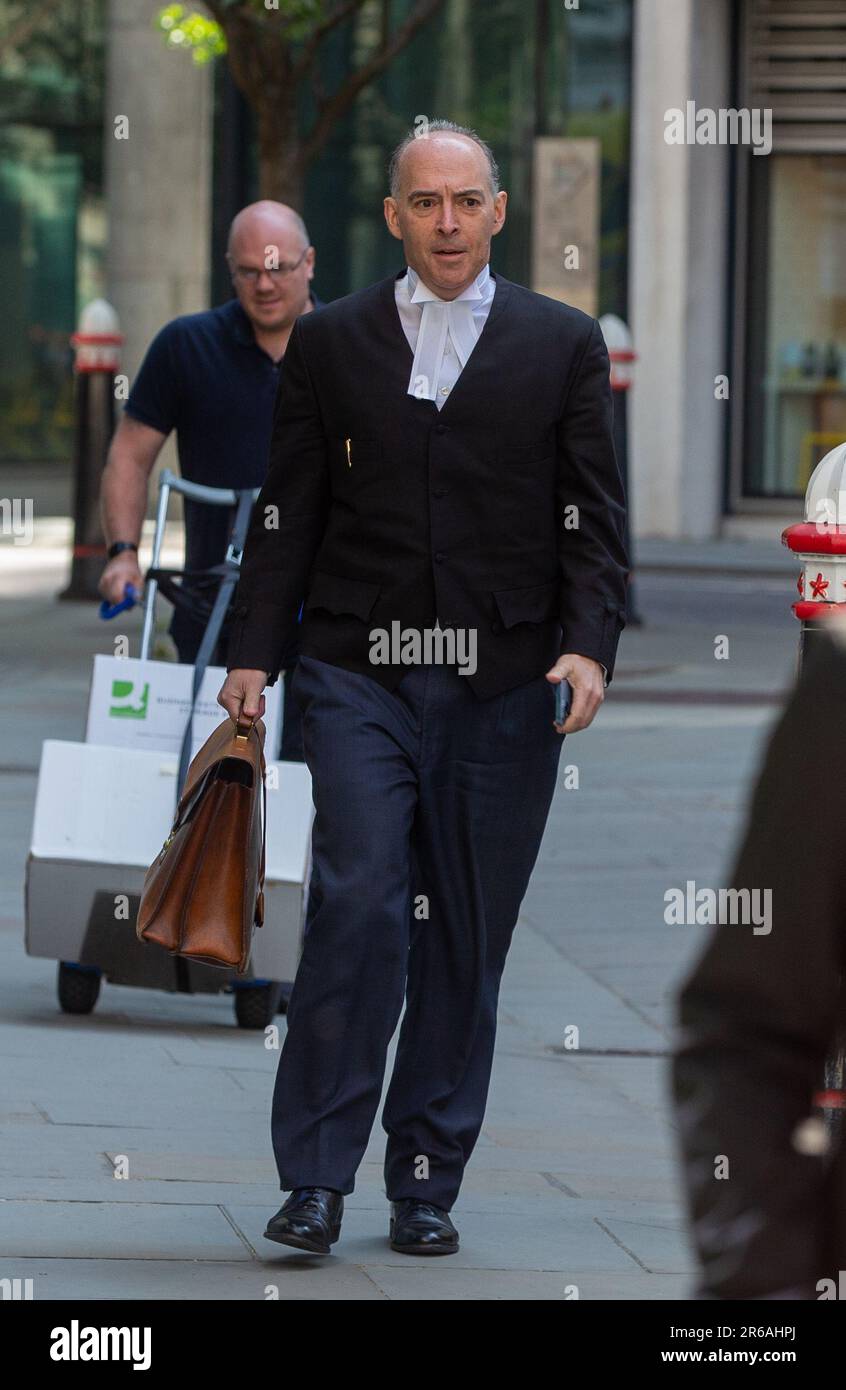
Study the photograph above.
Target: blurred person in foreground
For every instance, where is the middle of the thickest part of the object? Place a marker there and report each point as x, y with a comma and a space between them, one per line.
760, 1013
212, 377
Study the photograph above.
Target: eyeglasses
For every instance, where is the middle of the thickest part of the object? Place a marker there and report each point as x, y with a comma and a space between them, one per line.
278, 272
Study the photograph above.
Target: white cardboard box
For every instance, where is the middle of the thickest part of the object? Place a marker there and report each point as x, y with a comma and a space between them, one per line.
144, 705
101, 816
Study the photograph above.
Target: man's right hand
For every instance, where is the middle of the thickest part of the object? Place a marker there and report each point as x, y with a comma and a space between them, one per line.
241, 694
119, 572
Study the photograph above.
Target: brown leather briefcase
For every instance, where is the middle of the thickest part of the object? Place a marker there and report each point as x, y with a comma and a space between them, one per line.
203, 893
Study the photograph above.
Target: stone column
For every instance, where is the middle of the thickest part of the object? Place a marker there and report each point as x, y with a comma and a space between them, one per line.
679, 268
158, 181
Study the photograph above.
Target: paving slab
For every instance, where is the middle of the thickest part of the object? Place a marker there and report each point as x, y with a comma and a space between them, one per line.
196, 1280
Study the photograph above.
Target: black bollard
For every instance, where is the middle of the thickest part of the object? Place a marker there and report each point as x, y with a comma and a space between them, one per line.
621, 445
97, 346
621, 354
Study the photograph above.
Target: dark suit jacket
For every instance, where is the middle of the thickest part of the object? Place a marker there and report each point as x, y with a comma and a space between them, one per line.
759, 1015
457, 514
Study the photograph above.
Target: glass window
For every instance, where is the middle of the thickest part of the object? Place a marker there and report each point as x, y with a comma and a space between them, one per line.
796, 358
52, 232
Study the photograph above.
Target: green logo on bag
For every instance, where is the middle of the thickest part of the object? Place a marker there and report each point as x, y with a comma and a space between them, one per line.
122, 690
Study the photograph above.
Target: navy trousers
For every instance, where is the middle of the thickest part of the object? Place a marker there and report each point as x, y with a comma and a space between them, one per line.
430, 808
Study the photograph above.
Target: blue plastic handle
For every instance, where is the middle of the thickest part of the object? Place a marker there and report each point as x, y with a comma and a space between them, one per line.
108, 610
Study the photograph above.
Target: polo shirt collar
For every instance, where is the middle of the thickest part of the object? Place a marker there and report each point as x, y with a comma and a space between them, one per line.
239, 324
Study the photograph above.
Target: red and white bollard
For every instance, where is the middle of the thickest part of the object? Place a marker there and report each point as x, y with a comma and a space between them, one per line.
97, 343
819, 542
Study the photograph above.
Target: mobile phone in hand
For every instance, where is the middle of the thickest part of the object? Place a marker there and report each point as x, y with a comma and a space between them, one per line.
563, 700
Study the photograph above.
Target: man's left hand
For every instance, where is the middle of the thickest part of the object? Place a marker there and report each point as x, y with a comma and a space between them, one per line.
588, 682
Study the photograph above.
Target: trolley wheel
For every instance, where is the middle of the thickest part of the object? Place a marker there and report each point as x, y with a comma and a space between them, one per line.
78, 988
255, 1005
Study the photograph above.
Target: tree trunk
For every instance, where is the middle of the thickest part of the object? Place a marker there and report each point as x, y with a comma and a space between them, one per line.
261, 67
279, 154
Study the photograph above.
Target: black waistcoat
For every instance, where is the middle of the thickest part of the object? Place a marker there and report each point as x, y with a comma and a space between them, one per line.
392, 511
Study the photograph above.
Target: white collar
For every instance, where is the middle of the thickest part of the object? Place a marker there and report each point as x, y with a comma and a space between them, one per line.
475, 291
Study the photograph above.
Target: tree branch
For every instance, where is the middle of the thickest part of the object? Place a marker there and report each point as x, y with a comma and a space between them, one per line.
26, 25
317, 88
216, 11
311, 47
259, 59
343, 98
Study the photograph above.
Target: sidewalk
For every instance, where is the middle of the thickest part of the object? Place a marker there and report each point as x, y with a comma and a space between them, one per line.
573, 1182
723, 557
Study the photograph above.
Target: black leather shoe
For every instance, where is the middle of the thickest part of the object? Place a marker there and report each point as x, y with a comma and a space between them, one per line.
421, 1228
309, 1220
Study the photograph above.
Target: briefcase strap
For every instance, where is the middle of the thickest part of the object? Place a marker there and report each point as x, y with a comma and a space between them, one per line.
259, 910
243, 729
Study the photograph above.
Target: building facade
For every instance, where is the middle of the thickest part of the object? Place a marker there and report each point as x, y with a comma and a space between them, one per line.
723, 254
738, 261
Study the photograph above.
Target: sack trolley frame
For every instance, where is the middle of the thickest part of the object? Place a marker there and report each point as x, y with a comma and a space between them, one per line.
256, 1000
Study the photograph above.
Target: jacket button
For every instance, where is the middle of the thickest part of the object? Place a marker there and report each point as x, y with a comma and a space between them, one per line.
440, 429
439, 556
439, 492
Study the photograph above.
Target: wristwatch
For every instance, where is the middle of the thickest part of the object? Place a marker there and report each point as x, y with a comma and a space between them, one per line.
118, 546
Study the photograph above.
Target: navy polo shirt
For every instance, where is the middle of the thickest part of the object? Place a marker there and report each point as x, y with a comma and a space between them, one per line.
205, 376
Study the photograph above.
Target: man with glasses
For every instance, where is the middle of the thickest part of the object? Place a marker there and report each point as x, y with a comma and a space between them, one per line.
212, 377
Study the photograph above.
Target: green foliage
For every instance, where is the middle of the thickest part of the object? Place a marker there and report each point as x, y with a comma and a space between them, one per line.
205, 39
196, 33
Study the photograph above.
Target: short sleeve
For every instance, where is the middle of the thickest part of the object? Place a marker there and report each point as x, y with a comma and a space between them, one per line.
155, 393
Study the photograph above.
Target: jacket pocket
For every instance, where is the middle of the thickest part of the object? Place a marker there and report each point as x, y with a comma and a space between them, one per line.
339, 595
533, 605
